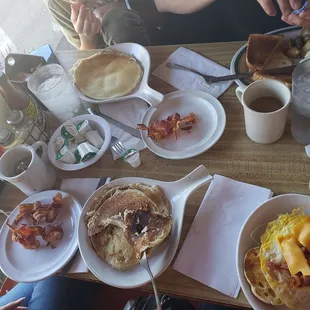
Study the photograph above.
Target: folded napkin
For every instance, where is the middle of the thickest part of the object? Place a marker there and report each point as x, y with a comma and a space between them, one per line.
212, 240
81, 189
187, 80
129, 112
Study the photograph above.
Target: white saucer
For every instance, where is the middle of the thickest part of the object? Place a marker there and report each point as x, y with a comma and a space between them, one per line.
203, 135
23, 265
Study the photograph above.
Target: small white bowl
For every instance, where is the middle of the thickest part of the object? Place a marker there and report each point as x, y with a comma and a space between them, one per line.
96, 123
256, 224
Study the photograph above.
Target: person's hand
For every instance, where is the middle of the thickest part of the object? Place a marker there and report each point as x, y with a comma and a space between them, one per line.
84, 21
302, 20
15, 305
286, 6
102, 10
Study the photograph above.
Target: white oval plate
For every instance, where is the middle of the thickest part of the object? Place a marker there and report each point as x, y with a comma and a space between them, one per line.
203, 135
23, 265
238, 63
95, 122
177, 193
264, 214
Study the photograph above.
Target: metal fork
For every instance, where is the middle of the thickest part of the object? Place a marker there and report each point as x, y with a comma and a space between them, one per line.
117, 146
145, 264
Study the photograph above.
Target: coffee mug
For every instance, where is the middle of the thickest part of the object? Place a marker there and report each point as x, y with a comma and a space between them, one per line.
22, 167
265, 127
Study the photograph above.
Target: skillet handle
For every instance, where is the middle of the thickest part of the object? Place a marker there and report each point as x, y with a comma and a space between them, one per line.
151, 96
187, 185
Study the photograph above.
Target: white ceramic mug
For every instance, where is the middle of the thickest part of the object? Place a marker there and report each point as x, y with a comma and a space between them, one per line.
38, 176
265, 127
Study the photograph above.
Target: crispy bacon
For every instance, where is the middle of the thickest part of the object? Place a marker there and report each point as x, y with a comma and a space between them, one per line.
52, 233
272, 265
37, 212
160, 129
26, 235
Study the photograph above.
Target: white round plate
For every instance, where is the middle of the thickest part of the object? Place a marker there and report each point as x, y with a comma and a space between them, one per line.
256, 223
96, 123
238, 63
203, 135
23, 265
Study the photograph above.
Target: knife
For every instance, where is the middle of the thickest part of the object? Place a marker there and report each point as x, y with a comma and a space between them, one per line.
112, 121
215, 79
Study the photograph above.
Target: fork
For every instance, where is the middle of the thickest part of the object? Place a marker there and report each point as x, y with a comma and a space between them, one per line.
145, 264
117, 146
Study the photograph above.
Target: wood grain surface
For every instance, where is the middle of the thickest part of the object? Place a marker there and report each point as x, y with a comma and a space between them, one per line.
283, 167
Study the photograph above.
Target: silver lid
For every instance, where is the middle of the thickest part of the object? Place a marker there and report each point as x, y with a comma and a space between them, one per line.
16, 118
6, 136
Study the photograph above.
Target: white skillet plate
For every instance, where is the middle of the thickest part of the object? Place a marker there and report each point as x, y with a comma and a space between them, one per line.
96, 123
177, 193
260, 217
23, 265
238, 63
203, 135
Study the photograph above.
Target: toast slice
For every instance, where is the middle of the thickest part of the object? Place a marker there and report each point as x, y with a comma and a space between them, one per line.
254, 275
277, 60
260, 49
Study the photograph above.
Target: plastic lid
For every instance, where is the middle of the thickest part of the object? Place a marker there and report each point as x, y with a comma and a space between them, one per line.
6, 136
17, 118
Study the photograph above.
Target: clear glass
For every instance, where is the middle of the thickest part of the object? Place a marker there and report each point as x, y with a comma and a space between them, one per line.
300, 121
51, 85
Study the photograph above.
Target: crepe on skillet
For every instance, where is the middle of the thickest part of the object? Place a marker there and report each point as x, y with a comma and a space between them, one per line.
127, 220
106, 75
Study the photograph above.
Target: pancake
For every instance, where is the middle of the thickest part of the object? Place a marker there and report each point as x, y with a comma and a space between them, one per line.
146, 230
255, 277
127, 220
112, 245
106, 75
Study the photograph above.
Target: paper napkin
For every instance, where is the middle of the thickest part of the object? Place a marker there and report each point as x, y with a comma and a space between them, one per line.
129, 112
208, 254
81, 189
187, 80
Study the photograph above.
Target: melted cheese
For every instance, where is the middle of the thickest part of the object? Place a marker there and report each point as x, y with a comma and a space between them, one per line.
302, 233
293, 255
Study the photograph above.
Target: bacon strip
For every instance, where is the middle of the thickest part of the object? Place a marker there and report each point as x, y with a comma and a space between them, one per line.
160, 129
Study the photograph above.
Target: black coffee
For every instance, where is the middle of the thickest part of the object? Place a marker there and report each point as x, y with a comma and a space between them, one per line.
266, 104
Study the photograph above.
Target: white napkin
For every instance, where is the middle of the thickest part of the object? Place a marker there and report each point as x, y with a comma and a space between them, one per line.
212, 239
187, 80
129, 112
81, 189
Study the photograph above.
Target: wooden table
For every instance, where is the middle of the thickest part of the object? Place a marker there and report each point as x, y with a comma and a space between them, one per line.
282, 167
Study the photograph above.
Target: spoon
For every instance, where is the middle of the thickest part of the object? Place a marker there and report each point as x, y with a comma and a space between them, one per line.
145, 264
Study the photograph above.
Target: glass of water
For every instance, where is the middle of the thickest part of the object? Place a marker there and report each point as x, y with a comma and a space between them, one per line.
300, 121
51, 85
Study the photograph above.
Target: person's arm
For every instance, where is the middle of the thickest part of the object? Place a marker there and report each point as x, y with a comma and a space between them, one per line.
182, 6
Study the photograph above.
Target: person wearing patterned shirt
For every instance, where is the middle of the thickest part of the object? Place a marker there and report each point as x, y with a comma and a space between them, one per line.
90, 24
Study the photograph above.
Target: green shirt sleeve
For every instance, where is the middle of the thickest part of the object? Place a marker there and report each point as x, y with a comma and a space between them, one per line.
61, 12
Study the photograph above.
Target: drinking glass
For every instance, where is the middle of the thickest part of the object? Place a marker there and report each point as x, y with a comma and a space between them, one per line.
51, 85
300, 122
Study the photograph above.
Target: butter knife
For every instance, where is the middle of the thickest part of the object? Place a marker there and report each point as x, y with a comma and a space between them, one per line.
112, 121
216, 79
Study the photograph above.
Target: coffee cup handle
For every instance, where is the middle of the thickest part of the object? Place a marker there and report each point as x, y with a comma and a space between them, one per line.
239, 93
44, 147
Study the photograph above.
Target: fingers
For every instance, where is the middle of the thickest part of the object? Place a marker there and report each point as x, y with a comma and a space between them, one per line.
79, 26
268, 7
285, 7
13, 305
87, 24
21, 308
303, 20
96, 24
74, 13
295, 4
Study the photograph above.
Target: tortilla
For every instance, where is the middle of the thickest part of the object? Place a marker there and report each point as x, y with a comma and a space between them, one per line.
107, 75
